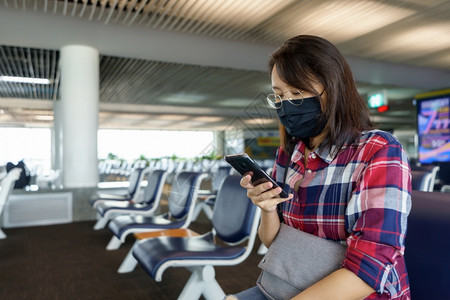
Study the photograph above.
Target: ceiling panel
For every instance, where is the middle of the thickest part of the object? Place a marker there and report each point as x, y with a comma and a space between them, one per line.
334, 20
410, 32
29, 63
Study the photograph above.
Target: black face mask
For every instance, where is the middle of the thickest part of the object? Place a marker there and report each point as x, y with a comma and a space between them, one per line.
302, 121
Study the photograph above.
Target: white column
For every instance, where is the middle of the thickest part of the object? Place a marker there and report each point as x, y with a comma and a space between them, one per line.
57, 137
79, 112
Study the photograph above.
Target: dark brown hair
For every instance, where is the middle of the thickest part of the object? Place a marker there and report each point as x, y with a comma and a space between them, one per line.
305, 59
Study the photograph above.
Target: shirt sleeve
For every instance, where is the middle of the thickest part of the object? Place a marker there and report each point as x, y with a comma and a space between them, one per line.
376, 218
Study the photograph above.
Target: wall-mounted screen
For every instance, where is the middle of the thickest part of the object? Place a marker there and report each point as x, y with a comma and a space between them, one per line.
433, 127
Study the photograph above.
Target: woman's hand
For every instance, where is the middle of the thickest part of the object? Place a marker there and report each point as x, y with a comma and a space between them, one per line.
263, 195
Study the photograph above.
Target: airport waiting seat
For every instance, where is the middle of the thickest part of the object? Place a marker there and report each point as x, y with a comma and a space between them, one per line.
424, 177
181, 203
219, 176
151, 200
207, 204
421, 180
135, 180
434, 171
7, 186
129, 262
235, 220
428, 246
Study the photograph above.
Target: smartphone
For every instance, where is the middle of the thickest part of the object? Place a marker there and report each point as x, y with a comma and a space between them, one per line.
244, 164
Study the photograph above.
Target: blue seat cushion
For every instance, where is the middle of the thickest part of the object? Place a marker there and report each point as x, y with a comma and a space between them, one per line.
104, 206
152, 253
123, 223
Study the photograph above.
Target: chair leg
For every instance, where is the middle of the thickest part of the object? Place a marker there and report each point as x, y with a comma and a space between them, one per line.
262, 249
101, 223
197, 210
2, 234
208, 211
213, 291
114, 243
129, 262
202, 282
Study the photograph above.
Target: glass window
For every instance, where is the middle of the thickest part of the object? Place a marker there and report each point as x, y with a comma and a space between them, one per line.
131, 144
33, 145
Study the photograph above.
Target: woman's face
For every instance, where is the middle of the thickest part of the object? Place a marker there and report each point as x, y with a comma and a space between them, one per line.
300, 119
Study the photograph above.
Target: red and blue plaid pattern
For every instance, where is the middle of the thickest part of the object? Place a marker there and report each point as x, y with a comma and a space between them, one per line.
360, 198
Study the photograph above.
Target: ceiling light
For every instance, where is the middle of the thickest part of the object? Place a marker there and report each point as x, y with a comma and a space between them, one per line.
207, 119
25, 79
259, 121
44, 118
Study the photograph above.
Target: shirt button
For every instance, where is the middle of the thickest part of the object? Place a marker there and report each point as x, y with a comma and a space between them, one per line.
313, 155
309, 171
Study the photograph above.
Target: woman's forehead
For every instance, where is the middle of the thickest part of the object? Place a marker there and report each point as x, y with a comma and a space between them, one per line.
281, 85
277, 82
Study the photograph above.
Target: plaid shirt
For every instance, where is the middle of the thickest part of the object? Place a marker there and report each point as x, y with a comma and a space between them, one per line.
361, 198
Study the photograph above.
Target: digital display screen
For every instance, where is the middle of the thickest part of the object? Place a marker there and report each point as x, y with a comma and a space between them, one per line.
433, 126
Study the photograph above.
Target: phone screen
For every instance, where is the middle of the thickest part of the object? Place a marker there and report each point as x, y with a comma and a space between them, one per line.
245, 164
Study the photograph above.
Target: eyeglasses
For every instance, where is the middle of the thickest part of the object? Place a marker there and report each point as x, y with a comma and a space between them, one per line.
275, 100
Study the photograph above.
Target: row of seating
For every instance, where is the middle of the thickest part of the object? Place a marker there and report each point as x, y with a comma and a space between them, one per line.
164, 240
426, 247
235, 220
116, 170
145, 200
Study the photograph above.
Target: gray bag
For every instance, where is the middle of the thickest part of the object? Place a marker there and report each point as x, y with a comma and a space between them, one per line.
296, 260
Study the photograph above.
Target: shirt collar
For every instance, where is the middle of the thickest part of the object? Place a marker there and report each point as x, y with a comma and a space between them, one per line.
323, 152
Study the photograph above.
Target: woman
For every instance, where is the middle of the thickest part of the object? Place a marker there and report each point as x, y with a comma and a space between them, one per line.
348, 182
